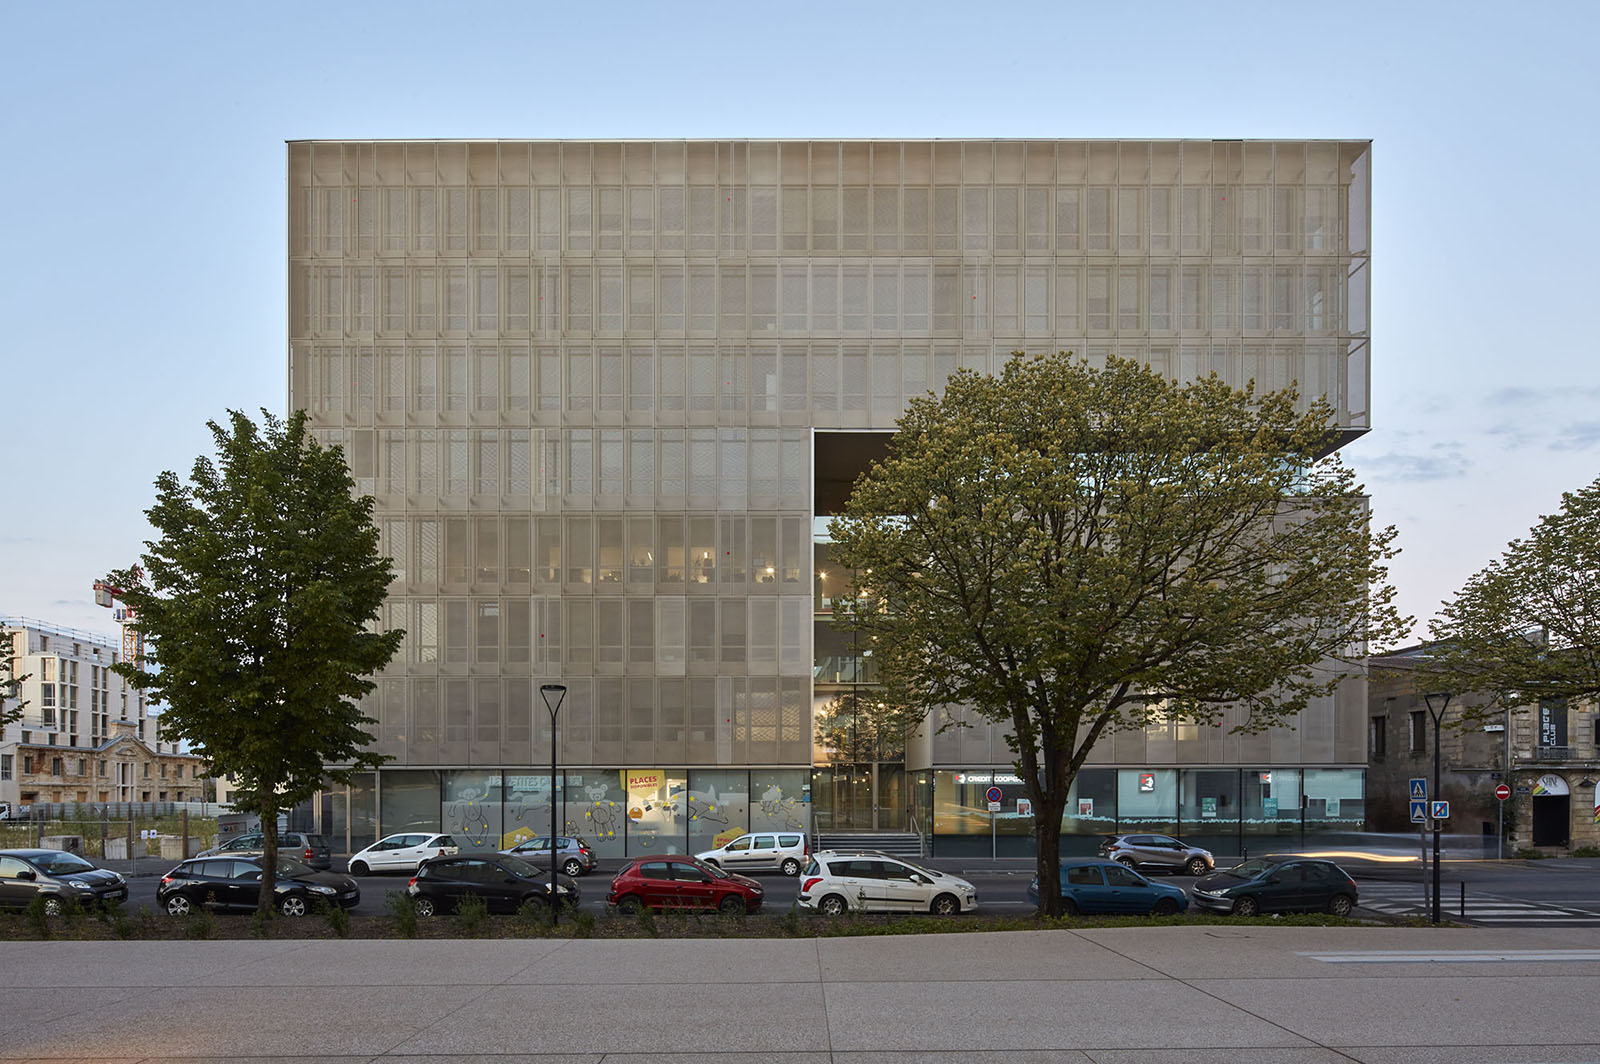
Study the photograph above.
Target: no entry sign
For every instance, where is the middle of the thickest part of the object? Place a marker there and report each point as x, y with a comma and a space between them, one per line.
1502, 792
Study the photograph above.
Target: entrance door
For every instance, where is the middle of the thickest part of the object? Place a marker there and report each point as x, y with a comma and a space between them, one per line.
1552, 819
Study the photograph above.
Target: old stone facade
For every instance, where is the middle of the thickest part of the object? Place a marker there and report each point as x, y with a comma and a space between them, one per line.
1546, 754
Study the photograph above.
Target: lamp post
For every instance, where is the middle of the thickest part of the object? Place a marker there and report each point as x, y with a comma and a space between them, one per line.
556, 691
1443, 698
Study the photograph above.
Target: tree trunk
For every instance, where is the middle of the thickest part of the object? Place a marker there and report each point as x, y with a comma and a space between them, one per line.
1047, 811
266, 901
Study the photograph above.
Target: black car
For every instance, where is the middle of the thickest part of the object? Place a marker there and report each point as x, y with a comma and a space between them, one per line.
503, 883
303, 846
1278, 884
233, 884
58, 877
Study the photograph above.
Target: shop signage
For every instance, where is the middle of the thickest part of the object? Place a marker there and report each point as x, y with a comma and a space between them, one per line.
644, 779
1269, 808
1208, 808
1147, 782
1550, 785
1086, 807
1024, 807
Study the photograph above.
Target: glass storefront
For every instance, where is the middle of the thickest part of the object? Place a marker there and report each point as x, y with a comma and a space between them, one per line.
621, 812
408, 800
1230, 811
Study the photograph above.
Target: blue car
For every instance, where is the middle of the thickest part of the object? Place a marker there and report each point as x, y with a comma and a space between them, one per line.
1094, 886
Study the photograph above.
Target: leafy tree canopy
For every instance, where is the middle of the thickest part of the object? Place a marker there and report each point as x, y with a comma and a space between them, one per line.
258, 604
1071, 550
1527, 626
11, 706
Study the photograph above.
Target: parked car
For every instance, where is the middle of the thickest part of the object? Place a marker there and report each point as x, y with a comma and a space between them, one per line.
573, 852
837, 882
233, 884
1094, 886
502, 882
1157, 851
1278, 884
400, 853
780, 851
303, 847
59, 878
678, 881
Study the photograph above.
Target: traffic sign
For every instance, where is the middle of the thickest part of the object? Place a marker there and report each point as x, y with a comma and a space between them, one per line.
994, 807
1441, 810
1502, 792
994, 794
1419, 787
1419, 810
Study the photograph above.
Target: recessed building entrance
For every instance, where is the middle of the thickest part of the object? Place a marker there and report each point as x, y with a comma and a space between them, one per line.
1552, 811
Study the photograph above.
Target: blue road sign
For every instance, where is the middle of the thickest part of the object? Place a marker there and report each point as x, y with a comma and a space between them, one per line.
994, 794
1441, 810
1419, 788
1419, 810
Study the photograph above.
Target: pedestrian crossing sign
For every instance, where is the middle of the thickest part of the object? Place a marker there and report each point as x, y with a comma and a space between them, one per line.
1419, 787
1419, 810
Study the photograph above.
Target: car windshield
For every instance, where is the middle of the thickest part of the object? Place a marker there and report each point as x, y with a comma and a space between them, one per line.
63, 864
1252, 868
288, 866
713, 870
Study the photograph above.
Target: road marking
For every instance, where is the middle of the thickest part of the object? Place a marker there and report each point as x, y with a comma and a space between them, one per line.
1507, 956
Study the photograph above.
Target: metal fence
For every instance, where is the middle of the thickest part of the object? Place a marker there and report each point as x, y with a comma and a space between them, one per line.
133, 835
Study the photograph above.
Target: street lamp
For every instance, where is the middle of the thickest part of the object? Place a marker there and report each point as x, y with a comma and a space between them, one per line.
1443, 698
557, 691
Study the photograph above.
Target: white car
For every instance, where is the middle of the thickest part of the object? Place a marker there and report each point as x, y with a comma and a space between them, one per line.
835, 883
400, 853
780, 851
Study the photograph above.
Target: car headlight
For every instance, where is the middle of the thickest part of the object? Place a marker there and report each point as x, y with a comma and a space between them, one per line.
562, 888
318, 888
78, 884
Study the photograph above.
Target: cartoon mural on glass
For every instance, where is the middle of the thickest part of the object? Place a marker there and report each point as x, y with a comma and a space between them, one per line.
471, 808
784, 804
719, 807
527, 809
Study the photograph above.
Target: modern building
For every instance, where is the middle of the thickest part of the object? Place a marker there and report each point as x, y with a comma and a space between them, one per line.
1546, 755
85, 735
605, 394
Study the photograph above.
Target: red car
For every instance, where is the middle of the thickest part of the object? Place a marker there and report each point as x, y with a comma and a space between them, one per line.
678, 881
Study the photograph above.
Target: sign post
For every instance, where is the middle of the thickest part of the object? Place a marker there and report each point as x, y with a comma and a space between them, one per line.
1503, 792
1418, 790
994, 795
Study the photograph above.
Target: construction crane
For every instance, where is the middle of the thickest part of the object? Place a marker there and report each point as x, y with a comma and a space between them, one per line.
132, 640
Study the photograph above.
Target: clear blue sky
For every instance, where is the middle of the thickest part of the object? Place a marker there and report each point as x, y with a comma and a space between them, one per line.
142, 202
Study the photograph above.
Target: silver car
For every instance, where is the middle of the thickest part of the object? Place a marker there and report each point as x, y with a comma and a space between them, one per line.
781, 851
1157, 851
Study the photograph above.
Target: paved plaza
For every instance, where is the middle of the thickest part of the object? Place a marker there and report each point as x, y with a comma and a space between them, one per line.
1196, 995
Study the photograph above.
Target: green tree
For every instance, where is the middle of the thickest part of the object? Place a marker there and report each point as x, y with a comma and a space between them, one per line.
10, 682
258, 604
1527, 626
1073, 551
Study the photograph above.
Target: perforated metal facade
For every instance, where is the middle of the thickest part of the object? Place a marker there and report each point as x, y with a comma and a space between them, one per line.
581, 380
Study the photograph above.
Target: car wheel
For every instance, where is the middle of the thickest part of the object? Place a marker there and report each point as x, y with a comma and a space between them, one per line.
425, 907
1198, 866
359, 868
1069, 907
1340, 905
790, 867
573, 868
733, 904
1166, 907
178, 905
1127, 862
293, 906
1246, 907
833, 905
52, 906
538, 901
629, 904
945, 905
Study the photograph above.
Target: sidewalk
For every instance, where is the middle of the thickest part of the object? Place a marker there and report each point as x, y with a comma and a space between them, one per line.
1171, 995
